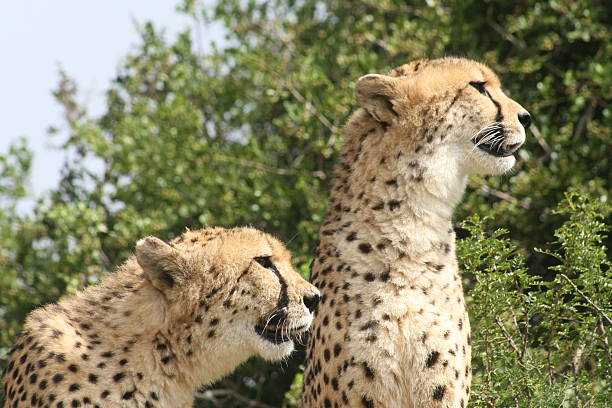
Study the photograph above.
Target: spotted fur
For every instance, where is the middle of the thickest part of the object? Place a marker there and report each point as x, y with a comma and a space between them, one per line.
172, 318
392, 328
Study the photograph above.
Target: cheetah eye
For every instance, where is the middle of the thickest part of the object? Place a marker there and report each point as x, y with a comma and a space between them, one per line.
265, 261
480, 87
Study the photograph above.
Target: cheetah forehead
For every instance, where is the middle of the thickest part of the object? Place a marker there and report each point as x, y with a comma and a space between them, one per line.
248, 241
446, 71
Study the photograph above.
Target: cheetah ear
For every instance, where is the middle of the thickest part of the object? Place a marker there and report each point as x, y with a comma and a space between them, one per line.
162, 264
375, 93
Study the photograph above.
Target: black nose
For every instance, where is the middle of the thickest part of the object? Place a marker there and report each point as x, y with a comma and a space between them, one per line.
525, 119
311, 301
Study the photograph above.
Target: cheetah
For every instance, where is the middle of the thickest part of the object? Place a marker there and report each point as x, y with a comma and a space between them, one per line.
173, 317
392, 329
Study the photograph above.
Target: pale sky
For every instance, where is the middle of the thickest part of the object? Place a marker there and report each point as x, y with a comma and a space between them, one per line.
87, 39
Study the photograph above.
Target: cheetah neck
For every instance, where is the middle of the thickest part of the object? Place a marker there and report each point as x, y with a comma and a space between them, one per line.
126, 316
392, 191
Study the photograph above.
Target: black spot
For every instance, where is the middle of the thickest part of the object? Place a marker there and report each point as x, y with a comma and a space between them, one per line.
128, 395
365, 247
352, 236
74, 387
75, 403
107, 354
42, 385
367, 402
93, 378
118, 377
367, 370
166, 359
73, 368
33, 378
378, 207
123, 362
439, 391
104, 394
369, 277
198, 319
391, 182
337, 349
432, 358
369, 325
57, 378
326, 354
393, 204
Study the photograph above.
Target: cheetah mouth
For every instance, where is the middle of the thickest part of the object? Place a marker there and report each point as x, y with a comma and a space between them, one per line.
491, 142
279, 334
491, 149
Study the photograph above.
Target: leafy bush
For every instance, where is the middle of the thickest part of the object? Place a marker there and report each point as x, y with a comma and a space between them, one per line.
540, 342
249, 134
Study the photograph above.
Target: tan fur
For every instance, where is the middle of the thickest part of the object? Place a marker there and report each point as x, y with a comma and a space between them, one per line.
172, 318
392, 329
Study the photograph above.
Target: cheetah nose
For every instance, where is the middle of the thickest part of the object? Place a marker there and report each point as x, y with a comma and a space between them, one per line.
525, 119
311, 301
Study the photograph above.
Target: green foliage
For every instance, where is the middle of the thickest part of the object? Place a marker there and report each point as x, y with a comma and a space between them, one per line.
538, 342
249, 134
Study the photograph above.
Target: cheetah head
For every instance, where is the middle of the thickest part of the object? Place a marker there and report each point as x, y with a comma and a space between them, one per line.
236, 287
452, 106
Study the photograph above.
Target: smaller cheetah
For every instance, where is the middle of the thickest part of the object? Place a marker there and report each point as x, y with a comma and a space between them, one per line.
173, 317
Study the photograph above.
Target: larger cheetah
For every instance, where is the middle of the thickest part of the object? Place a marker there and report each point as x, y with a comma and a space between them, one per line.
392, 328
172, 318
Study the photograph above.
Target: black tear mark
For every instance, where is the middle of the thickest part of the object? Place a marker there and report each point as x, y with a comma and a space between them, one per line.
283, 298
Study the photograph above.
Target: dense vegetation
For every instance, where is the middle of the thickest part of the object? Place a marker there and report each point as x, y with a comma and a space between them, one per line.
249, 134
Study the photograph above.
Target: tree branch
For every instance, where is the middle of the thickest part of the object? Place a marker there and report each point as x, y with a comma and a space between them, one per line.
597, 308
520, 44
501, 195
510, 341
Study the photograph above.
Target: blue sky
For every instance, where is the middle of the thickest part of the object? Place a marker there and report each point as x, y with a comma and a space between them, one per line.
87, 39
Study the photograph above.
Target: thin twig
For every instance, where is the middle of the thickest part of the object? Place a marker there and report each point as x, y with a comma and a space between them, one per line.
541, 141
584, 119
214, 395
604, 315
520, 44
501, 195
309, 106
247, 163
510, 341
